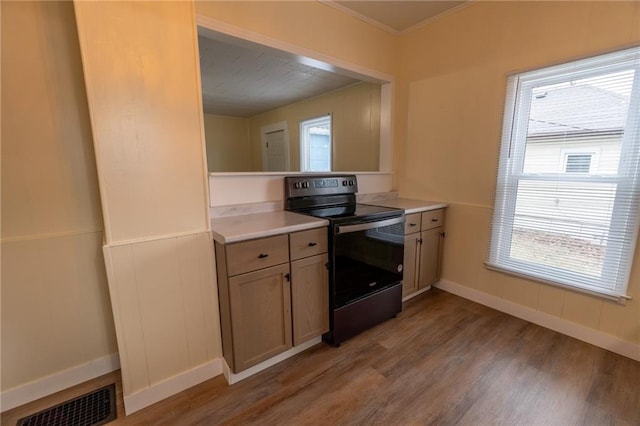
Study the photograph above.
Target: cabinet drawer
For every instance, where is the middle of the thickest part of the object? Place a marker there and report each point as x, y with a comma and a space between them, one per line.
257, 254
308, 243
411, 223
432, 219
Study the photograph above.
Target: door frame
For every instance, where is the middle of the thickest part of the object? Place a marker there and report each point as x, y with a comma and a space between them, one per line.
270, 128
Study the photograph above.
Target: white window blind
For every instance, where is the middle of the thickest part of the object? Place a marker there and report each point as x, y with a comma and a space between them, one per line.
568, 187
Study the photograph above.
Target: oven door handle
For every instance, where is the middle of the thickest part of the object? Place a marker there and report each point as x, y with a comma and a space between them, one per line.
345, 229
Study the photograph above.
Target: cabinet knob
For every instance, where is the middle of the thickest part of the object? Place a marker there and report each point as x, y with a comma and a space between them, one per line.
313, 244
419, 240
262, 255
287, 276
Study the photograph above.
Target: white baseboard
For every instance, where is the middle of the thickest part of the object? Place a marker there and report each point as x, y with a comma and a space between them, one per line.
166, 388
417, 293
57, 382
233, 378
552, 322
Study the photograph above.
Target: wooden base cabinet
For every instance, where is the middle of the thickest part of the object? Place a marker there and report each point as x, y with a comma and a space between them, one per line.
423, 241
411, 263
260, 304
271, 301
310, 297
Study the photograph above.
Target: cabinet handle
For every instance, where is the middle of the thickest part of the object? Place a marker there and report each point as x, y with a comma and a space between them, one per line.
262, 255
287, 276
412, 224
313, 244
419, 240
434, 220
326, 265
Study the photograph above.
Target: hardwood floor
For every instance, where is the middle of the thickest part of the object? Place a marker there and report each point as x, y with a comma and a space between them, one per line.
443, 360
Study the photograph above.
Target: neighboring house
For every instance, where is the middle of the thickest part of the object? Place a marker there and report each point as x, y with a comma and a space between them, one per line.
573, 130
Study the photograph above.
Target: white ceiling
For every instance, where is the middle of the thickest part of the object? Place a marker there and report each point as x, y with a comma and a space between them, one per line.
397, 16
243, 79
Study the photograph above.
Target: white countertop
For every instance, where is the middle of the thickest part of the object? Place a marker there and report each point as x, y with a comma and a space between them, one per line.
409, 205
231, 229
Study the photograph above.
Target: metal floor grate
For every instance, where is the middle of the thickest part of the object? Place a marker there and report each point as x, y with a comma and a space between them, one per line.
92, 409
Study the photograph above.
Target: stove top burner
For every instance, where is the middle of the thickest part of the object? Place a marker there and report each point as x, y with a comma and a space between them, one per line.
352, 212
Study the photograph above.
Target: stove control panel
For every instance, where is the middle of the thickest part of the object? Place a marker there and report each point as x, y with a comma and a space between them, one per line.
309, 186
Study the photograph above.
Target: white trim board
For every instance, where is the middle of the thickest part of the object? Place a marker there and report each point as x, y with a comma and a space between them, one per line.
233, 378
57, 382
417, 293
166, 388
552, 322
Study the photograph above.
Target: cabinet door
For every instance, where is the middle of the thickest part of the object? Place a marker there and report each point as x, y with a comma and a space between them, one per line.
430, 257
310, 297
260, 315
410, 264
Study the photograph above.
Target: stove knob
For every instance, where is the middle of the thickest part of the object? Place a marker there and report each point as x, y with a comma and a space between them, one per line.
296, 185
305, 184
344, 183
351, 182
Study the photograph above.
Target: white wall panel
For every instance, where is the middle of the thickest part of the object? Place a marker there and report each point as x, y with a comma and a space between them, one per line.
140, 63
165, 307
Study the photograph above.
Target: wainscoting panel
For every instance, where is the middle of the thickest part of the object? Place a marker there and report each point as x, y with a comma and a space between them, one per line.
165, 309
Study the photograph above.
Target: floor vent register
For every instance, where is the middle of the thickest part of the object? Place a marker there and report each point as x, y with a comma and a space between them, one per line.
92, 409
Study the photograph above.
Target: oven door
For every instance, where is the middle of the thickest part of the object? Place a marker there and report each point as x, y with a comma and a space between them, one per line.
367, 258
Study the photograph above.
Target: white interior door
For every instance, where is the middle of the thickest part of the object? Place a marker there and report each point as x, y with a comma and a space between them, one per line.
275, 148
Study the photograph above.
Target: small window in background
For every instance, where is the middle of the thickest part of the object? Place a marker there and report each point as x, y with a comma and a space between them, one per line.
568, 188
315, 144
578, 163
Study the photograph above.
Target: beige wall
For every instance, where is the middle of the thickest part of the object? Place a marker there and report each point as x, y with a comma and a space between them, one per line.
227, 140
355, 117
453, 80
56, 312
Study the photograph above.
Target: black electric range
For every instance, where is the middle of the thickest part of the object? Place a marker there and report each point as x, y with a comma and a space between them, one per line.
366, 249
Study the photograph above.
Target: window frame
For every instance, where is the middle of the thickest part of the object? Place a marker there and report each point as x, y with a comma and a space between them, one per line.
305, 150
510, 173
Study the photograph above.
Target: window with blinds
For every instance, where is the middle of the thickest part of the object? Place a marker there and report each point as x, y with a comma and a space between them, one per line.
568, 187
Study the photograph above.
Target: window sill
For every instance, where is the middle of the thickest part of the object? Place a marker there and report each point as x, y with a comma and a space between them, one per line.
621, 300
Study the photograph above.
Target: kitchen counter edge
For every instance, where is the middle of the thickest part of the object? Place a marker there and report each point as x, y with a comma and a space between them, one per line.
233, 229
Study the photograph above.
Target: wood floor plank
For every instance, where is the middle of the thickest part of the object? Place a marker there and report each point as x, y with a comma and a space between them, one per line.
444, 360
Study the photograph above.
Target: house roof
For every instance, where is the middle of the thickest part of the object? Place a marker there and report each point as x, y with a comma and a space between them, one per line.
576, 109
